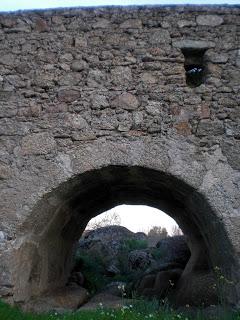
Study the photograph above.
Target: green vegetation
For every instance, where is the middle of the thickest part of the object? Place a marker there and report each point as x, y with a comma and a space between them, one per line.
141, 310
133, 244
93, 265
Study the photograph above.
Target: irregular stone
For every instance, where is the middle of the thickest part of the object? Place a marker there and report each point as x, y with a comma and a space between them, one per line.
207, 127
160, 36
196, 289
62, 300
8, 59
217, 57
148, 78
96, 78
232, 152
7, 111
209, 20
23, 68
38, 144
68, 95
204, 111
101, 24
186, 23
174, 250
139, 259
5, 171
153, 108
41, 25
76, 121
80, 42
2, 236
79, 65
106, 301
99, 101
194, 44
121, 75
126, 101
131, 24
183, 128
67, 57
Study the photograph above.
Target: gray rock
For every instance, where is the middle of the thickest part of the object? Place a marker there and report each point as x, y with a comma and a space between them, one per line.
174, 250
209, 20
194, 44
79, 65
2, 236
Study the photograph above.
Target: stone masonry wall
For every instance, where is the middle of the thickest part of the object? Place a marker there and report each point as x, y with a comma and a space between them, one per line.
75, 83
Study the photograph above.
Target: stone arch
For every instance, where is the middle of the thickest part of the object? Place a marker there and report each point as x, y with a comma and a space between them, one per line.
46, 238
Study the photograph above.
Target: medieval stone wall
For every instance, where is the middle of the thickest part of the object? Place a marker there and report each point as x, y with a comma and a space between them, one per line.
81, 89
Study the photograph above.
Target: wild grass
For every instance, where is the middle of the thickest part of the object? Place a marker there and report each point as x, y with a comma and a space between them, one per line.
141, 310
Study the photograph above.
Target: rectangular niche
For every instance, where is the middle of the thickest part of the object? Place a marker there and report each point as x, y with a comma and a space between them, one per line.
194, 65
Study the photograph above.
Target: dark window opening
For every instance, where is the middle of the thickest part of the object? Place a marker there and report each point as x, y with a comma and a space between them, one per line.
194, 67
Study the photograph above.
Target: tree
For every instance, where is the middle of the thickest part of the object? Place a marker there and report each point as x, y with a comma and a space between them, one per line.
176, 231
156, 233
106, 219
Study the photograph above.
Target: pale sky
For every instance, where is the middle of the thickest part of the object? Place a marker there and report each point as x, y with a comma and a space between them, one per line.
141, 218
10, 5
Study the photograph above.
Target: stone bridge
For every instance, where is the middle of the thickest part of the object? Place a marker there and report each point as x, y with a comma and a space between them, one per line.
106, 106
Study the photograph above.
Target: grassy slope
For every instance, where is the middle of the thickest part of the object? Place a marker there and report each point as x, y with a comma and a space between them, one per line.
145, 310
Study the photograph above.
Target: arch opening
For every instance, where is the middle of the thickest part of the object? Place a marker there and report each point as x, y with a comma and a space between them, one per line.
58, 221
120, 248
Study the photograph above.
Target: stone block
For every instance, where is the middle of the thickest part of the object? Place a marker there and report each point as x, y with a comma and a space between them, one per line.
194, 44
41, 25
68, 95
38, 144
131, 24
79, 65
126, 101
209, 20
159, 37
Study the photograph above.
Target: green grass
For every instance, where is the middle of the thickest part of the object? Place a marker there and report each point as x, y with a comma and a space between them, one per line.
141, 310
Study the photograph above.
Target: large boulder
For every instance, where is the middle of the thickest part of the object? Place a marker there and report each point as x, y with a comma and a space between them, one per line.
108, 240
174, 250
106, 301
112, 244
158, 285
139, 259
199, 288
63, 300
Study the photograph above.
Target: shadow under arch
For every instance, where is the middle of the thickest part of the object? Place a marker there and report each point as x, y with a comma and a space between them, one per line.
60, 217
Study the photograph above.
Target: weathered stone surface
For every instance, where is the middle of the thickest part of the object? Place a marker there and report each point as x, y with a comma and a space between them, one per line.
5, 171
174, 250
68, 95
139, 260
96, 111
121, 75
126, 101
38, 143
79, 65
64, 300
186, 23
160, 36
194, 44
41, 25
131, 24
209, 20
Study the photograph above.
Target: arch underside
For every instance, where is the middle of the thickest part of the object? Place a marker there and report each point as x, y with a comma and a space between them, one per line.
59, 219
